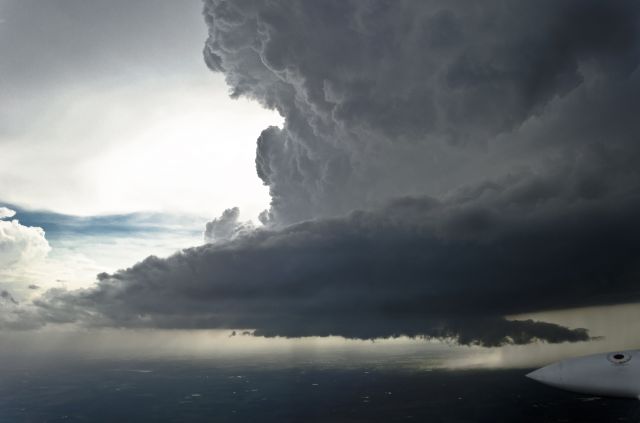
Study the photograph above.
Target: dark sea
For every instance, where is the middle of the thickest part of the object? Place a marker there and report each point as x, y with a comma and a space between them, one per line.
187, 389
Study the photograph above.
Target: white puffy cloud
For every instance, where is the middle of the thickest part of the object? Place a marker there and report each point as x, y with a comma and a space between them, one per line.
6, 213
226, 227
21, 249
19, 244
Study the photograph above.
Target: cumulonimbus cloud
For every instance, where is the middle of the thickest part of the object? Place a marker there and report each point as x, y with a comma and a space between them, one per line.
492, 150
389, 98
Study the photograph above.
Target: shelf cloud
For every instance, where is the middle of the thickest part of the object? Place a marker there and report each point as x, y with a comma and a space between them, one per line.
418, 267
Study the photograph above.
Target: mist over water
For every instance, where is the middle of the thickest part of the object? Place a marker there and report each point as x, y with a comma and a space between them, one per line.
204, 376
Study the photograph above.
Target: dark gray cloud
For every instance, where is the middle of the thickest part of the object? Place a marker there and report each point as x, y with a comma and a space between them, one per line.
418, 267
6, 295
492, 148
385, 98
15, 315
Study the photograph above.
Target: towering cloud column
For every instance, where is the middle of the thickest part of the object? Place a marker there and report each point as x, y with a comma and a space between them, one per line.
388, 98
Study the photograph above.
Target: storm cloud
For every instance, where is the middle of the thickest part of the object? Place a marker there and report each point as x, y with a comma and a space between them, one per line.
418, 267
441, 166
385, 98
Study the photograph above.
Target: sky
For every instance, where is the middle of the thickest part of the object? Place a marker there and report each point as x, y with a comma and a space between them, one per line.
359, 170
108, 108
112, 131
